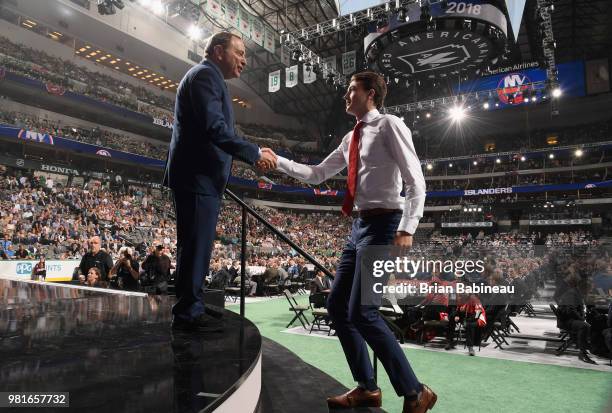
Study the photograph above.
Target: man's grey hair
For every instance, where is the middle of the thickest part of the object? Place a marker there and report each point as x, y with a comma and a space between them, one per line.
219, 39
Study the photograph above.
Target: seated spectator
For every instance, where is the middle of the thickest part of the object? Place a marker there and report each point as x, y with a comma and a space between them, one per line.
320, 284
221, 277
125, 273
472, 314
39, 271
93, 279
571, 316
21, 253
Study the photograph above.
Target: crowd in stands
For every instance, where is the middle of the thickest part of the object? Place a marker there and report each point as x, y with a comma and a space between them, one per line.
431, 146
38, 65
47, 218
95, 136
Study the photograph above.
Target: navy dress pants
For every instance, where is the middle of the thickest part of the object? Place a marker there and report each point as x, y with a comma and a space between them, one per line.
358, 324
196, 222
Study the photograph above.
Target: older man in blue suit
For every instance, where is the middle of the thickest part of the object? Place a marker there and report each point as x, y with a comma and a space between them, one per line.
199, 163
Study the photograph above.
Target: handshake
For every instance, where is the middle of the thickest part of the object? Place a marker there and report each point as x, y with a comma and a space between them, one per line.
267, 161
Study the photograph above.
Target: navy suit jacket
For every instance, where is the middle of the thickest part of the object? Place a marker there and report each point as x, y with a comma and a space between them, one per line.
203, 138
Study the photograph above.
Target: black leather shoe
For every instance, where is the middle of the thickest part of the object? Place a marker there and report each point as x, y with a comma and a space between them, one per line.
204, 323
213, 310
585, 357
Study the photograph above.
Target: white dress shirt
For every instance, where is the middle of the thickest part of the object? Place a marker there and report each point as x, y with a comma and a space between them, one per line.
386, 156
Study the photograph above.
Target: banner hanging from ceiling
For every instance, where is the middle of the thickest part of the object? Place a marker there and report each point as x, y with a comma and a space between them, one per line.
291, 76
274, 81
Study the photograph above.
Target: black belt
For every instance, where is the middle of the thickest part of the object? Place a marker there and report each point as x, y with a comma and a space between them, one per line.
366, 213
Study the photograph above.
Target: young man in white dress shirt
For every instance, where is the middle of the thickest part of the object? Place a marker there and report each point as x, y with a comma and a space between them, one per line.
379, 154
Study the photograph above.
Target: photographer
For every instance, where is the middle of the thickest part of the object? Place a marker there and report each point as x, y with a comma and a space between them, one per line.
156, 272
125, 273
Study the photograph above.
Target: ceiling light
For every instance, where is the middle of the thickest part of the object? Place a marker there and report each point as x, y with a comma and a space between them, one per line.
157, 7
194, 32
457, 113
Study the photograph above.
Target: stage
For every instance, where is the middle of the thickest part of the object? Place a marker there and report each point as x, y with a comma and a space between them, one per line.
115, 352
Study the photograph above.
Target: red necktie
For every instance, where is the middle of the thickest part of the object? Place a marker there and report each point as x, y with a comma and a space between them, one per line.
353, 166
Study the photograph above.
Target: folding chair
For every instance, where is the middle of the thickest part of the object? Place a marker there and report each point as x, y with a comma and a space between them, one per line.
297, 309
391, 314
319, 312
564, 335
232, 293
498, 327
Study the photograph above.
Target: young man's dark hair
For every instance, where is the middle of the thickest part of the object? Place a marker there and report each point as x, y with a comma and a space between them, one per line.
372, 80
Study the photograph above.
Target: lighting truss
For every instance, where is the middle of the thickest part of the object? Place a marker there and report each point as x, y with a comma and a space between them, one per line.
352, 20
296, 40
548, 41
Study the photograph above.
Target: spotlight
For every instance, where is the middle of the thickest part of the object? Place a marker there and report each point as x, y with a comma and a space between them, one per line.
498, 160
429, 167
578, 153
534, 98
194, 32
457, 113
475, 163
496, 104
428, 115
523, 159
556, 92
486, 105
479, 209
157, 7
450, 165
464, 209
551, 156
402, 118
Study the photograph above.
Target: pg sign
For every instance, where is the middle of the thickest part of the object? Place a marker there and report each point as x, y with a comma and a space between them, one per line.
462, 38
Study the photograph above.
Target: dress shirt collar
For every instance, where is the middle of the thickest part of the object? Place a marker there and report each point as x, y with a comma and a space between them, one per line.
370, 116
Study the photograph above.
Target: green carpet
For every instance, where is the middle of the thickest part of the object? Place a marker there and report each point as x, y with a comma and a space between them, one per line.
463, 384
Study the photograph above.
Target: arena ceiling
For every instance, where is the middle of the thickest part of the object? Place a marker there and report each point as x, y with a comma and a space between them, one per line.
581, 30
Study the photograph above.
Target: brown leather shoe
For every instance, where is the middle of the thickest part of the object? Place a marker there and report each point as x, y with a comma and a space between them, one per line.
357, 397
425, 402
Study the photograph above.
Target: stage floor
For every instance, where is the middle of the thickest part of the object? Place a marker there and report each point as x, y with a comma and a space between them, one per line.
116, 352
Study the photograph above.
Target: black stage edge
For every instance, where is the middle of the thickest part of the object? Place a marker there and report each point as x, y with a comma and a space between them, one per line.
116, 353
292, 385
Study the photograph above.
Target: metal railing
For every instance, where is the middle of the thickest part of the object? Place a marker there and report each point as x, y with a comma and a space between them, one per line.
248, 210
